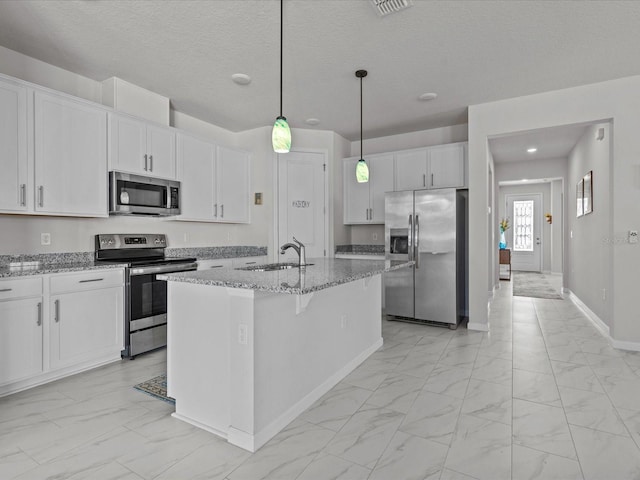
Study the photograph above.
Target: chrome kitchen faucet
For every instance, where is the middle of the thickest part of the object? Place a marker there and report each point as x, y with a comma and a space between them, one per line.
299, 248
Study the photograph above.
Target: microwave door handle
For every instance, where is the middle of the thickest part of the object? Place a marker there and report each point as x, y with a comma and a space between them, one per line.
167, 197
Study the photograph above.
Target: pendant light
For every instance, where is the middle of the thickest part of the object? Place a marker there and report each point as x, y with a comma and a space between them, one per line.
362, 170
281, 134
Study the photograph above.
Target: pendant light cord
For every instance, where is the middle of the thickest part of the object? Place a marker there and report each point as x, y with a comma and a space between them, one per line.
361, 151
281, 34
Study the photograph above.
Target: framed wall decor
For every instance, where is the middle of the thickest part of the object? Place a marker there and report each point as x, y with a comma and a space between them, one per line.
587, 194
579, 198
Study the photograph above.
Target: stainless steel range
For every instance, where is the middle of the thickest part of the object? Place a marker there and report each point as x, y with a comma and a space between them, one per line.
143, 256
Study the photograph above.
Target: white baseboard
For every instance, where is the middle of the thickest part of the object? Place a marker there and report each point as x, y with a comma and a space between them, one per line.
254, 442
601, 326
479, 327
597, 322
624, 345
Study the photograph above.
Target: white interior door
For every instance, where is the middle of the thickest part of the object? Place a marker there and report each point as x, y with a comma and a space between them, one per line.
302, 203
525, 235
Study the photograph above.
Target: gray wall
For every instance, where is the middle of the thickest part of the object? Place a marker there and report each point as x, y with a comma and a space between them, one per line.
590, 240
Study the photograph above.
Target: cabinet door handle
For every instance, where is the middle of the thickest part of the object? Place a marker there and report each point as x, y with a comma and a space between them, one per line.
151, 163
145, 162
39, 322
6, 289
56, 313
91, 280
215, 208
215, 266
41, 196
23, 195
424, 179
222, 211
432, 179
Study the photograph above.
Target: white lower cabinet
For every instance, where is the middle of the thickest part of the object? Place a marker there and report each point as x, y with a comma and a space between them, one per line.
214, 263
58, 324
241, 262
84, 325
20, 339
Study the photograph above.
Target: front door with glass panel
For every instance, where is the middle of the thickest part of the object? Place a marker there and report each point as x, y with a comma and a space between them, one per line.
525, 235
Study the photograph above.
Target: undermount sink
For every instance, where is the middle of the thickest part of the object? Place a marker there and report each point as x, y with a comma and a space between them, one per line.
270, 267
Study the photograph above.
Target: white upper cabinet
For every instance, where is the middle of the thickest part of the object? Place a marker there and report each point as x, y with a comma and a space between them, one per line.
215, 182
442, 166
70, 157
447, 166
411, 169
232, 185
15, 189
196, 172
364, 202
141, 148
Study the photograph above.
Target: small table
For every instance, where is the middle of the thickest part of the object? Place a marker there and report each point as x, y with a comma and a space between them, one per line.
505, 259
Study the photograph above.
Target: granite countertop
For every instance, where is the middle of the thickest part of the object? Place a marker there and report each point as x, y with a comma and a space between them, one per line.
324, 273
372, 250
7, 271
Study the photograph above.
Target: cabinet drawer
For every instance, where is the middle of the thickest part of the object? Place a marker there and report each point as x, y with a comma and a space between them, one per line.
86, 280
215, 263
20, 287
248, 261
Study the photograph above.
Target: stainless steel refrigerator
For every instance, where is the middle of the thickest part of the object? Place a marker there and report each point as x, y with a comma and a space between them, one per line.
429, 227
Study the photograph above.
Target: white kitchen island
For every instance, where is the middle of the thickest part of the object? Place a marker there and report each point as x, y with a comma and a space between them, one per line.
249, 351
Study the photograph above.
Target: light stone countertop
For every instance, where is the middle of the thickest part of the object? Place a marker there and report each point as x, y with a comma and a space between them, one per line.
324, 273
9, 272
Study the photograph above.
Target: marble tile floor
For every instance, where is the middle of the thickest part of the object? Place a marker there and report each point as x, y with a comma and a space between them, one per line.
541, 396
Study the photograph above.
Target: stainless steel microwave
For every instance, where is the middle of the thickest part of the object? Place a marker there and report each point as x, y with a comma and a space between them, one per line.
138, 195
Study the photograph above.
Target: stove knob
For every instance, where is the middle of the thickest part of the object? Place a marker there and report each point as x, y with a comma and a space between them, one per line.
110, 241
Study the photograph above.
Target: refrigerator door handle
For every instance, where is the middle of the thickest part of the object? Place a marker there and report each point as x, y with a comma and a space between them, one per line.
409, 238
416, 254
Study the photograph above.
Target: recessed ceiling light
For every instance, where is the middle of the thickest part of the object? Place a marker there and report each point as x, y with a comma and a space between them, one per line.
428, 96
312, 121
532, 150
241, 78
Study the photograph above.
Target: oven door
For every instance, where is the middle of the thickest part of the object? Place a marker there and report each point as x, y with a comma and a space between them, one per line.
146, 328
148, 295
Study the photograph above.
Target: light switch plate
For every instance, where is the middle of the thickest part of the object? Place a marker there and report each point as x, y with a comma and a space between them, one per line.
45, 239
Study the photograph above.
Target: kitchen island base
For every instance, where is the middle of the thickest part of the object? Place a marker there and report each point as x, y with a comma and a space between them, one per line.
244, 363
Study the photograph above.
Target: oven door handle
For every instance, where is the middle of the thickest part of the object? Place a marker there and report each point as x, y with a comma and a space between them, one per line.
185, 267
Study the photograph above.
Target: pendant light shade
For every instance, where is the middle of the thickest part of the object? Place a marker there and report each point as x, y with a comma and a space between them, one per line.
281, 134
362, 169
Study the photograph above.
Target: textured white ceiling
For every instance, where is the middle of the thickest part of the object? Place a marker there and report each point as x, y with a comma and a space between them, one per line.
468, 52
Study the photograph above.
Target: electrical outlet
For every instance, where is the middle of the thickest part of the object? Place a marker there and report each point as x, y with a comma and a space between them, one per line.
243, 334
604, 294
186, 238
633, 236
45, 239
375, 236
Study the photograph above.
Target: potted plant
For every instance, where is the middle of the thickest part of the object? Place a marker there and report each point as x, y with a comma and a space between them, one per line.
504, 226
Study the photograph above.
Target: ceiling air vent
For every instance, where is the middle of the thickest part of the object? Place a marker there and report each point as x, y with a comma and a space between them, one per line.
385, 7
